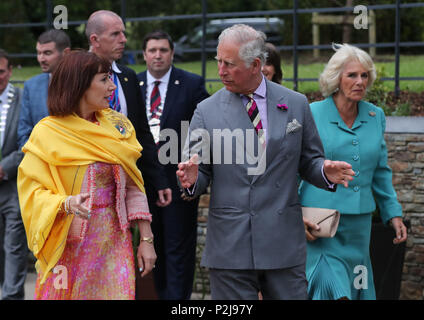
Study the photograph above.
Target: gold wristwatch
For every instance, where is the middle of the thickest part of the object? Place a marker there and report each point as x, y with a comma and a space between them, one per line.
147, 239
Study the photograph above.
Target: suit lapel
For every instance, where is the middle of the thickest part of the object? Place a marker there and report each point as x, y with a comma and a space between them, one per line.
45, 88
123, 80
143, 84
234, 113
171, 94
10, 115
236, 118
277, 122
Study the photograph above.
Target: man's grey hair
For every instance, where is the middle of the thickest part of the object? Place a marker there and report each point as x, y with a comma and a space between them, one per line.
95, 24
252, 42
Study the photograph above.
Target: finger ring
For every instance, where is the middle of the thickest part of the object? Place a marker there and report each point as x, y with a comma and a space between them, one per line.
76, 212
88, 216
140, 269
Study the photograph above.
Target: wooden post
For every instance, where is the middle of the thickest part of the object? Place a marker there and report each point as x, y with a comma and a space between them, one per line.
315, 34
372, 33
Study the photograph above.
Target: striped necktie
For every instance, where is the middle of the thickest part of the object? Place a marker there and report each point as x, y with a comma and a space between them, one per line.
155, 100
114, 98
252, 110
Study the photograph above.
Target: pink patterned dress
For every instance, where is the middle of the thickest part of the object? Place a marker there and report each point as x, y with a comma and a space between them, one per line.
100, 264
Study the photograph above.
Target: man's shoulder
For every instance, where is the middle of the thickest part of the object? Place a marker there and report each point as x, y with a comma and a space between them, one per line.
186, 74
284, 91
37, 80
215, 99
126, 70
16, 89
142, 75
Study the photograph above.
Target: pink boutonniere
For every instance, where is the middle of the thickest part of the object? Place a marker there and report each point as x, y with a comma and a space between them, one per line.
282, 107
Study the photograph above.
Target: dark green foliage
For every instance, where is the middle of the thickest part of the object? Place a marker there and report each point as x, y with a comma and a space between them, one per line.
22, 40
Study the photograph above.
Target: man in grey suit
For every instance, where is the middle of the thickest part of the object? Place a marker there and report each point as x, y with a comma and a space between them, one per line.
256, 236
14, 239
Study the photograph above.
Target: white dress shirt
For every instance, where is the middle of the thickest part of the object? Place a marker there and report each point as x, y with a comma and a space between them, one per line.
121, 96
3, 113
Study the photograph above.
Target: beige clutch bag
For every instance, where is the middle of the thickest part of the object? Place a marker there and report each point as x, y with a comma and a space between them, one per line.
327, 219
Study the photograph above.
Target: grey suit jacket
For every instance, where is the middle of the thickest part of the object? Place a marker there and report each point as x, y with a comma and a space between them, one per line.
11, 155
255, 221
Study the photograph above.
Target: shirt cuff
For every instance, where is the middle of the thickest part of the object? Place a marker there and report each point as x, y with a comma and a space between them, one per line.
331, 186
190, 191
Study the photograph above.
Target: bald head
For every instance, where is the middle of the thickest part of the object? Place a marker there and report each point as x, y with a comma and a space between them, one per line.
95, 23
105, 32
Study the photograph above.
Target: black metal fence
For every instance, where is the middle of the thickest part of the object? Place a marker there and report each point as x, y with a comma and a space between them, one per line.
295, 48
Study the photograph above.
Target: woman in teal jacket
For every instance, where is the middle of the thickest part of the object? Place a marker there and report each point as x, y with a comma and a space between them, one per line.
351, 130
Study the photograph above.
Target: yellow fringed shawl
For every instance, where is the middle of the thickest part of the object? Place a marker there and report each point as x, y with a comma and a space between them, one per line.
56, 157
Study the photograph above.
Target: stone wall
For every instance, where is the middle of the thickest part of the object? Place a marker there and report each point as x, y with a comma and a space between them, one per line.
405, 144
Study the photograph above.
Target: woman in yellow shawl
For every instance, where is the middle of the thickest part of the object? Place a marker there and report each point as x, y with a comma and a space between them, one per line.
80, 189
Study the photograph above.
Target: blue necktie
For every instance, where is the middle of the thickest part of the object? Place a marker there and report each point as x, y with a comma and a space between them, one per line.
114, 98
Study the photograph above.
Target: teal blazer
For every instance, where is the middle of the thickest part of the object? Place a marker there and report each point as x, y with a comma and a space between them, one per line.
364, 147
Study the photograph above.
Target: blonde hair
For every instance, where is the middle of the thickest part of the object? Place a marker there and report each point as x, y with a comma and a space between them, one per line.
329, 79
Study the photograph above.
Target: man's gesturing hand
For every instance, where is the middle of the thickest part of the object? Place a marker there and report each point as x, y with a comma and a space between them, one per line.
188, 171
339, 172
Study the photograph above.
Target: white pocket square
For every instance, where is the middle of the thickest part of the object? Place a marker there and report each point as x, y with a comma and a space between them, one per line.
293, 126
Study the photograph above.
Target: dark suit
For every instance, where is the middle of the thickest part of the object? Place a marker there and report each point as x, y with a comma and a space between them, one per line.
153, 175
15, 246
175, 226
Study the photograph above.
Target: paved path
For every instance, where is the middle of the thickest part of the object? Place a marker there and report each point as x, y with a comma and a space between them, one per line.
30, 288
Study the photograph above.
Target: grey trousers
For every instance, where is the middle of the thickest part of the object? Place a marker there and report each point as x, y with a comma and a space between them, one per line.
275, 284
14, 245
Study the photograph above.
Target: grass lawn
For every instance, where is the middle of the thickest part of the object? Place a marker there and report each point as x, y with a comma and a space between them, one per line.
410, 66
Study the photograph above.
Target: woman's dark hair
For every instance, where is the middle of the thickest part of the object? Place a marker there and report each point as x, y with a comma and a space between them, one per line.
274, 59
71, 79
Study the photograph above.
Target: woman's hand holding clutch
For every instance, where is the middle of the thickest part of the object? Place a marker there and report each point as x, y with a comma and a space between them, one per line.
309, 226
